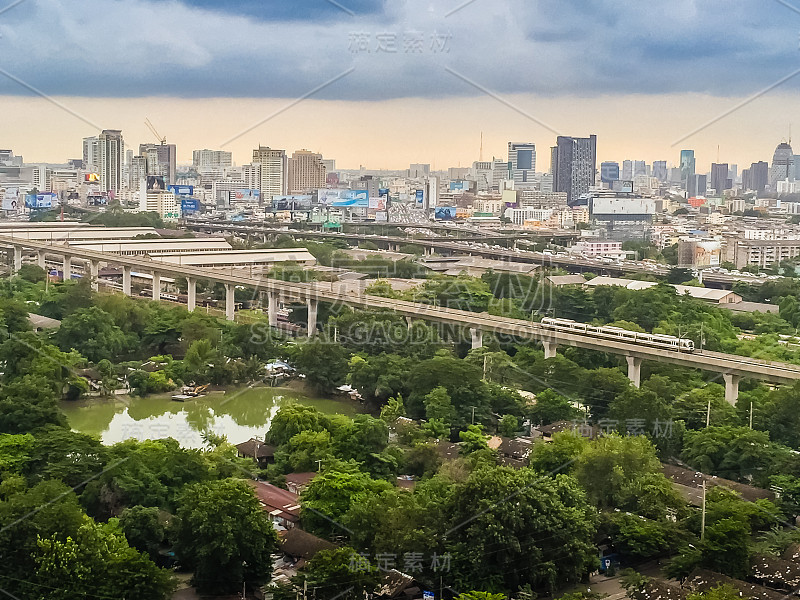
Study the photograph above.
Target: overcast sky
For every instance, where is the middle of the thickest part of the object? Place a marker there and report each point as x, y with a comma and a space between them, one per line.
387, 83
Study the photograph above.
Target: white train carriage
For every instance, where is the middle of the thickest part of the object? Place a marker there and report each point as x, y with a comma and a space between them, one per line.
668, 342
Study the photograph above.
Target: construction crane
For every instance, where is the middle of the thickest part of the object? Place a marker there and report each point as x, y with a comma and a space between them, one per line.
152, 128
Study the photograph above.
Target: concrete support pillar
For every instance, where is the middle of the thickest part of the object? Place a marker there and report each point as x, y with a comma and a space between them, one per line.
230, 303
94, 274
313, 307
126, 280
191, 293
41, 259
272, 309
477, 338
731, 387
634, 370
66, 270
410, 323
156, 286
550, 349
17, 258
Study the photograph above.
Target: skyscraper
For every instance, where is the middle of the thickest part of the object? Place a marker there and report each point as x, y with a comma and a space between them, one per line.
205, 159
687, 165
660, 170
111, 151
639, 168
782, 164
574, 165
274, 167
627, 170
522, 158
719, 177
161, 159
306, 172
91, 154
609, 172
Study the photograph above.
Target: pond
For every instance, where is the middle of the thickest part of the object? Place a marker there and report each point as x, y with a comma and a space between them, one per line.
238, 414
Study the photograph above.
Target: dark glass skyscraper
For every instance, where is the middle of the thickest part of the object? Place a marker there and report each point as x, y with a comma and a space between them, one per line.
574, 165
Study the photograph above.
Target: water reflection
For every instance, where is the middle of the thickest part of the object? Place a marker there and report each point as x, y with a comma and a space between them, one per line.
238, 414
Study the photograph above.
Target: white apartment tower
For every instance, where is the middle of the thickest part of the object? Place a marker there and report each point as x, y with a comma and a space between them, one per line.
205, 159
274, 167
91, 154
306, 172
112, 149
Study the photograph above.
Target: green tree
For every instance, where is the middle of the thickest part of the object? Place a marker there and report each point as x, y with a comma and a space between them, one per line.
508, 426
332, 571
224, 536
323, 363
144, 529
32, 273
439, 406
293, 419
726, 548
100, 562
551, 407
93, 333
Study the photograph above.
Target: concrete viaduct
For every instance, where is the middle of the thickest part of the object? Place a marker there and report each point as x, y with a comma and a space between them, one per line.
730, 367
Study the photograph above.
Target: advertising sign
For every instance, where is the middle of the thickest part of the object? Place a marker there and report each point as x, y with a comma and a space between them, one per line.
155, 183
459, 186
377, 203
91, 178
382, 217
350, 199
41, 201
11, 198
291, 203
445, 213
384, 193
181, 190
251, 196
189, 205
420, 198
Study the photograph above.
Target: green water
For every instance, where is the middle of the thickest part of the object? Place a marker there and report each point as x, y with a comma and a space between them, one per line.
237, 414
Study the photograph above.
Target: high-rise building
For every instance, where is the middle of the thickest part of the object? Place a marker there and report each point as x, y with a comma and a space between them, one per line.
418, 171
639, 168
733, 173
609, 172
719, 177
687, 165
782, 164
627, 170
137, 173
757, 177
306, 172
329, 164
574, 165
660, 170
91, 154
274, 167
482, 174
522, 162
205, 159
697, 185
251, 176
501, 171
161, 160
111, 151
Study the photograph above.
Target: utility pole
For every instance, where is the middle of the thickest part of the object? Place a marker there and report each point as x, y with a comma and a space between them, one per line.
708, 413
319, 465
473, 414
703, 518
751, 414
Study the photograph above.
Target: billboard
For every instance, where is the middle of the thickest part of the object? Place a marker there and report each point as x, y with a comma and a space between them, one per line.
224, 198
461, 185
41, 201
623, 206
383, 193
250, 196
419, 196
377, 203
11, 198
350, 199
181, 190
291, 203
189, 205
382, 217
155, 183
445, 213
91, 178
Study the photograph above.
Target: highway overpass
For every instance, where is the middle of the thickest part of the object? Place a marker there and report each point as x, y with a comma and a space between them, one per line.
731, 367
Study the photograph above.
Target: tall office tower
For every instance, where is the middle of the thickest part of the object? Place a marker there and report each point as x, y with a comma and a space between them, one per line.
205, 159
697, 185
782, 163
757, 177
639, 168
500, 173
137, 172
719, 177
660, 170
687, 165
274, 167
306, 172
91, 154
111, 151
161, 159
251, 175
522, 161
609, 172
483, 175
418, 171
627, 170
329, 164
733, 173
575, 165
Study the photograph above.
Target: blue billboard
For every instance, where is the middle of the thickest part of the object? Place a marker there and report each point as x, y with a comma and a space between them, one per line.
352, 199
420, 197
248, 195
383, 193
445, 213
291, 203
189, 205
181, 190
459, 186
39, 201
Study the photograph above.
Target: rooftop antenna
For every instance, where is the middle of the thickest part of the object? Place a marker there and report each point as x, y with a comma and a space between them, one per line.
481, 154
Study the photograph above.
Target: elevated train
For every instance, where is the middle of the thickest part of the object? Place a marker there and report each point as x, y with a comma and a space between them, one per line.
668, 342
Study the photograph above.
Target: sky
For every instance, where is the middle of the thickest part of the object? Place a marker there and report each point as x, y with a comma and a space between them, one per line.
382, 84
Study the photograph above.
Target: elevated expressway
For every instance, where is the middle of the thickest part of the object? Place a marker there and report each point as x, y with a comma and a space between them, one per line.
730, 367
